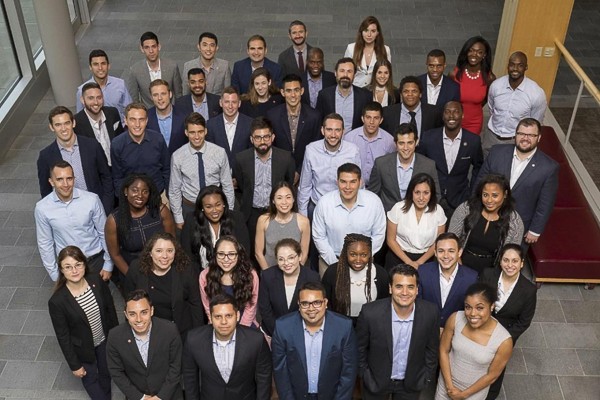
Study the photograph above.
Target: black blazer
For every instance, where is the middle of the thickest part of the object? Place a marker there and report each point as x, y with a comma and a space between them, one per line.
455, 185
450, 91
71, 325
326, 103
162, 376
241, 141
431, 117
186, 305
288, 61
517, 313
309, 130
178, 137
185, 106
328, 81
375, 347
93, 162
272, 301
282, 169
113, 123
250, 377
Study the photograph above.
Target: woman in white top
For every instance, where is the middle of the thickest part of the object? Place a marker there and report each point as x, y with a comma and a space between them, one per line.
367, 50
414, 223
382, 85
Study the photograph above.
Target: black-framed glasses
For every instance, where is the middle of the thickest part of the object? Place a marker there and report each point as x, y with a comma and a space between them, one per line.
230, 256
306, 304
528, 135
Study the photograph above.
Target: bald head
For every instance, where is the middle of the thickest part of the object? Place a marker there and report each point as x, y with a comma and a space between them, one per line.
517, 65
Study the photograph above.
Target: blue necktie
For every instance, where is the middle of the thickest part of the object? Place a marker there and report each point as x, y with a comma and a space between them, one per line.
201, 170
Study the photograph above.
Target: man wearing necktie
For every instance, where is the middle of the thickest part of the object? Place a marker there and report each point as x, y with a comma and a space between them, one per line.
293, 59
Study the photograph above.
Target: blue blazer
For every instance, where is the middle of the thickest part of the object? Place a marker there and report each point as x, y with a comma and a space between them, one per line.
429, 288
535, 190
454, 184
178, 137
326, 103
241, 141
450, 91
339, 358
184, 105
242, 70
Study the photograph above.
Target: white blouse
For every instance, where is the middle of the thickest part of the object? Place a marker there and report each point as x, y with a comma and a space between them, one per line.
412, 236
358, 294
364, 72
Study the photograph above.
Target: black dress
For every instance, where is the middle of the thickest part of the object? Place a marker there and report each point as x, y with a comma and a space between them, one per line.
482, 246
260, 110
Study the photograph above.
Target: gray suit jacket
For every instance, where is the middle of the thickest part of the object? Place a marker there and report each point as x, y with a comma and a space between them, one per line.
137, 79
384, 177
289, 62
218, 79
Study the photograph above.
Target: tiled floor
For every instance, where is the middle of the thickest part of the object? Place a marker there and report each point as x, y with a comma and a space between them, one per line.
557, 358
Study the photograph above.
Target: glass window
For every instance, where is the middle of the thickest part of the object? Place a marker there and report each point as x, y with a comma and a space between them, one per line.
33, 31
9, 68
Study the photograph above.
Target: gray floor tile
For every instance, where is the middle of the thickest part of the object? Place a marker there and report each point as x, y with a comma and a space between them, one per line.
50, 350
12, 321
532, 337
18, 202
552, 362
590, 361
15, 256
516, 364
590, 294
559, 291
28, 375
30, 299
571, 336
12, 185
65, 380
531, 387
22, 277
9, 236
581, 311
21, 219
580, 387
548, 311
38, 323
19, 347
5, 296
27, 237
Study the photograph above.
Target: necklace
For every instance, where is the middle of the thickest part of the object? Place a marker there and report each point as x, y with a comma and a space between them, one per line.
473, 77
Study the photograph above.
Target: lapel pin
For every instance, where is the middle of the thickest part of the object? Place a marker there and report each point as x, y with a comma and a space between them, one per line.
533, 165
465, 144
128, 340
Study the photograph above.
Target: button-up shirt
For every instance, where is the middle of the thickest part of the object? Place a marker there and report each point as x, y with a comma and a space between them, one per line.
115, 94
433, 91
314, 87
404, 175
73, 157
401, 335
518, 166
224, 353
313, 344
202, 107
262, 180
154, 73
370, 148
451, 148
446, 283
405, 116
504, 293
345, 107
165, 123
143, 345
230, 129
101, 133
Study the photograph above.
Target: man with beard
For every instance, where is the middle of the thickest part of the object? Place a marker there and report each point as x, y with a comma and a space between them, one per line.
198, 99
216, 70
511, 98
533, 176
293, 59
164, 117
257, 170
345, 98
316, 78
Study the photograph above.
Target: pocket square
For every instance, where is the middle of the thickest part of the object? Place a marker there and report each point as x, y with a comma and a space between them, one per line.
116, 125
465, 158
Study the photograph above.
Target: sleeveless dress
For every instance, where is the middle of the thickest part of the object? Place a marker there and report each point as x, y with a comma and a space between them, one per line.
469, 361
140, 231
277, 231
473, 93
481, 247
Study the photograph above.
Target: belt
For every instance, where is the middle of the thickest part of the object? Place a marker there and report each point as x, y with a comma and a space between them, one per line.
188, 202
261, 209
480, 255
503, 138
93, 257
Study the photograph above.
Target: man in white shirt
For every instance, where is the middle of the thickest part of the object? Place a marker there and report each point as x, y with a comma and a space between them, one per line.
438, 89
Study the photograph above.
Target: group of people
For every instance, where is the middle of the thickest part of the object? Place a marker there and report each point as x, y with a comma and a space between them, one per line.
301, 226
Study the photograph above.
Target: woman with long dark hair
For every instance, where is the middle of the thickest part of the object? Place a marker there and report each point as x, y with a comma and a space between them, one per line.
262, 94
382, 84
486, 222
82, 313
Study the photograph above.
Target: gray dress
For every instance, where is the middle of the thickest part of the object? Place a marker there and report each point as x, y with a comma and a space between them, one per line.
277, 231
469, 361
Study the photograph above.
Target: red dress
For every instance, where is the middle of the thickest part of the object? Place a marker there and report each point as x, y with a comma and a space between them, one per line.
473, 95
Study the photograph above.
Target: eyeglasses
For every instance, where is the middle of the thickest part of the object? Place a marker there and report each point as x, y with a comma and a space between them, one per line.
306, 304
264, 138
71, 268
288, 260
230, 256
528, 135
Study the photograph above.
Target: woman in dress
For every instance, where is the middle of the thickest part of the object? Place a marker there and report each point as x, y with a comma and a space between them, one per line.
262, 94
367, 50
211, 219
355, 279
382, 86
474, 348
82, 312
486, 222
414, 223
140, 214
164, 272
473, 73
281, 222
279, 286
230, 271
517, 298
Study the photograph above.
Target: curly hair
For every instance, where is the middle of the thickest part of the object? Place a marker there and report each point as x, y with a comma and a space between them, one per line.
252, 95
240, 274
180, 262
75, 253
341, 302
123, 213
486, 63
379, 44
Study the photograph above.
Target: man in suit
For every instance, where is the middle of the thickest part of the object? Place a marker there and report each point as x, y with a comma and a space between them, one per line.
85, 155
411, 109
164, 117
294, 126
231, 129
97, 121
293, 60
456, 151
533, 176
445, 282
225, 360
315, 78
314, 350
144, 353
257, 170
398, 342
437, 88
242, 70
142, 73
216, 70
351, 99
198, 99
392, 173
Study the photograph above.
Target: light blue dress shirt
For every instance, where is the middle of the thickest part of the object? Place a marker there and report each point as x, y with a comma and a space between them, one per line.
143, 345
165, 123
370, 149
405, 117
345, 107
224, 354
313, 344
401, 335
404, 175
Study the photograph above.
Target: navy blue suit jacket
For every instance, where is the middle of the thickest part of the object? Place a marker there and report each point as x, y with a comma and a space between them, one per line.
339, 358
309, 130
242, 70
429, 288
241, 141
454, 184
326, 103
113, 123
184, 105
431, 117
450, 91
95, 167
328, 81
178, 137
535, 190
